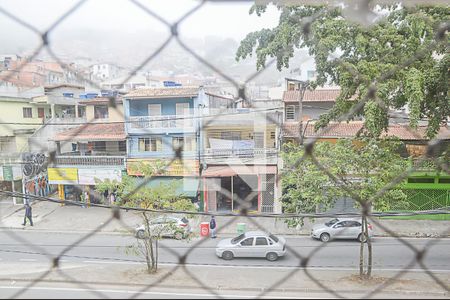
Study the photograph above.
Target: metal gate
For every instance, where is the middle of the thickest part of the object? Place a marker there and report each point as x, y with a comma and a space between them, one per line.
268, 192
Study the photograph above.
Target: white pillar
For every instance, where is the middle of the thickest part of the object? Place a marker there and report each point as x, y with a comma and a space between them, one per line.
13, 190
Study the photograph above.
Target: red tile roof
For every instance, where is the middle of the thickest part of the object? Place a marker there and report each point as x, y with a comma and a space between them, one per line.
169, 92
351, 129
319, 95
94, 132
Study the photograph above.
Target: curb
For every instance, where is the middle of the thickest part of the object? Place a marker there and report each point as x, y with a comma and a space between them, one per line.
224, 235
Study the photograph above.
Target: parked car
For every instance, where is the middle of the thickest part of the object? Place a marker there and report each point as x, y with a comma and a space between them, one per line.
166, 226
340, 228
252, 244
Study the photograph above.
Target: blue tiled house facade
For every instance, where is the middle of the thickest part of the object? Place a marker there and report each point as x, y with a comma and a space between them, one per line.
160, 120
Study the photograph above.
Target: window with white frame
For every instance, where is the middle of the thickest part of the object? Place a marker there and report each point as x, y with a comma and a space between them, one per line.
187, 143
258, 138
27, 112
101, 112
154, 109
150, 144
290, 112
182, 109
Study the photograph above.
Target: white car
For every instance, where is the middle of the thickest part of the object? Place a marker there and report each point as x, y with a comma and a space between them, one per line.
166, 226
252, 244
340, 228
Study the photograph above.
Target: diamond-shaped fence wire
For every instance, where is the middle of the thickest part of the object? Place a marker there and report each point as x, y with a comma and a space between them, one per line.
259, 119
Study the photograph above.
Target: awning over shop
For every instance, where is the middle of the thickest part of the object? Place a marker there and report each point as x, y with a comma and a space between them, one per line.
225, 171
187, 186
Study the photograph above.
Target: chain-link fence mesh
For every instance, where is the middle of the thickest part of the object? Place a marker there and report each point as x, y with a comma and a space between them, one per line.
421, 202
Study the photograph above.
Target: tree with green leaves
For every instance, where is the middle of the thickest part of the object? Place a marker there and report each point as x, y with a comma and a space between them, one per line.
135, 192
357, 169
162, 197
401, 59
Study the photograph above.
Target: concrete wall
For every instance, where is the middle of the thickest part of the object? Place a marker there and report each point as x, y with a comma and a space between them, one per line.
114, 114
12, 112
311, 109
168, 106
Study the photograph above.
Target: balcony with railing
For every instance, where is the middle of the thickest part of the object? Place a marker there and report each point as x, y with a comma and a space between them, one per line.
241, 117
90, 161
246, 156
67, 120
164, 122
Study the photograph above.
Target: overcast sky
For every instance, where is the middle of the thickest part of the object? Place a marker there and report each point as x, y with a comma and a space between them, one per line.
223, 19
121, 23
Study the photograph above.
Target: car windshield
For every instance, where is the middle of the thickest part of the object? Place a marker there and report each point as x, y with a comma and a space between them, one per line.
331, 223
274, 238
237, 239
156, 221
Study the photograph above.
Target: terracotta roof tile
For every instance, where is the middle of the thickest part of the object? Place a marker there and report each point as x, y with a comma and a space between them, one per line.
316, 95
407, 133
169, 92
94, 132
349, 130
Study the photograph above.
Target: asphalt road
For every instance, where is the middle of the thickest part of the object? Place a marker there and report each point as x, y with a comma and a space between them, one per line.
389, 253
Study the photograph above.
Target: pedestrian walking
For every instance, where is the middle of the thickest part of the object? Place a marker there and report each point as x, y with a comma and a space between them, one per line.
212, 227
28, 214
84, 199
112, 199
106, 195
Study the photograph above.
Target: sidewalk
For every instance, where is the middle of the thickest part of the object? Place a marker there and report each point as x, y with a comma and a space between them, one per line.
49, 216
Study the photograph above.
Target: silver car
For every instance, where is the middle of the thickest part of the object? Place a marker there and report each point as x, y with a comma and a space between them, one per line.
166, 226
340, 228
252, 244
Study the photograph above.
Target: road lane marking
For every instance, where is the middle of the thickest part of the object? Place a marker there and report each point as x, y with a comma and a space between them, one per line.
28, 259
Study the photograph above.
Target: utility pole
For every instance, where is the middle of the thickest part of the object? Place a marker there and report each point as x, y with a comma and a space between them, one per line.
303, 86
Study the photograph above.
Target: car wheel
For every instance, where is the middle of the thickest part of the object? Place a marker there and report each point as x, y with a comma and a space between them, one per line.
140, 234
178, 235
227, 255
362, 238
272, 256
325, 237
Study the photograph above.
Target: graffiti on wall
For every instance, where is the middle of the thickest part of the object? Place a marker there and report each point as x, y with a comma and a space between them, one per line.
35, 177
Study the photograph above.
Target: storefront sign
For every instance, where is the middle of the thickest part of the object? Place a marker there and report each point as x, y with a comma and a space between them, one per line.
89, 176
8, 173
63, 175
